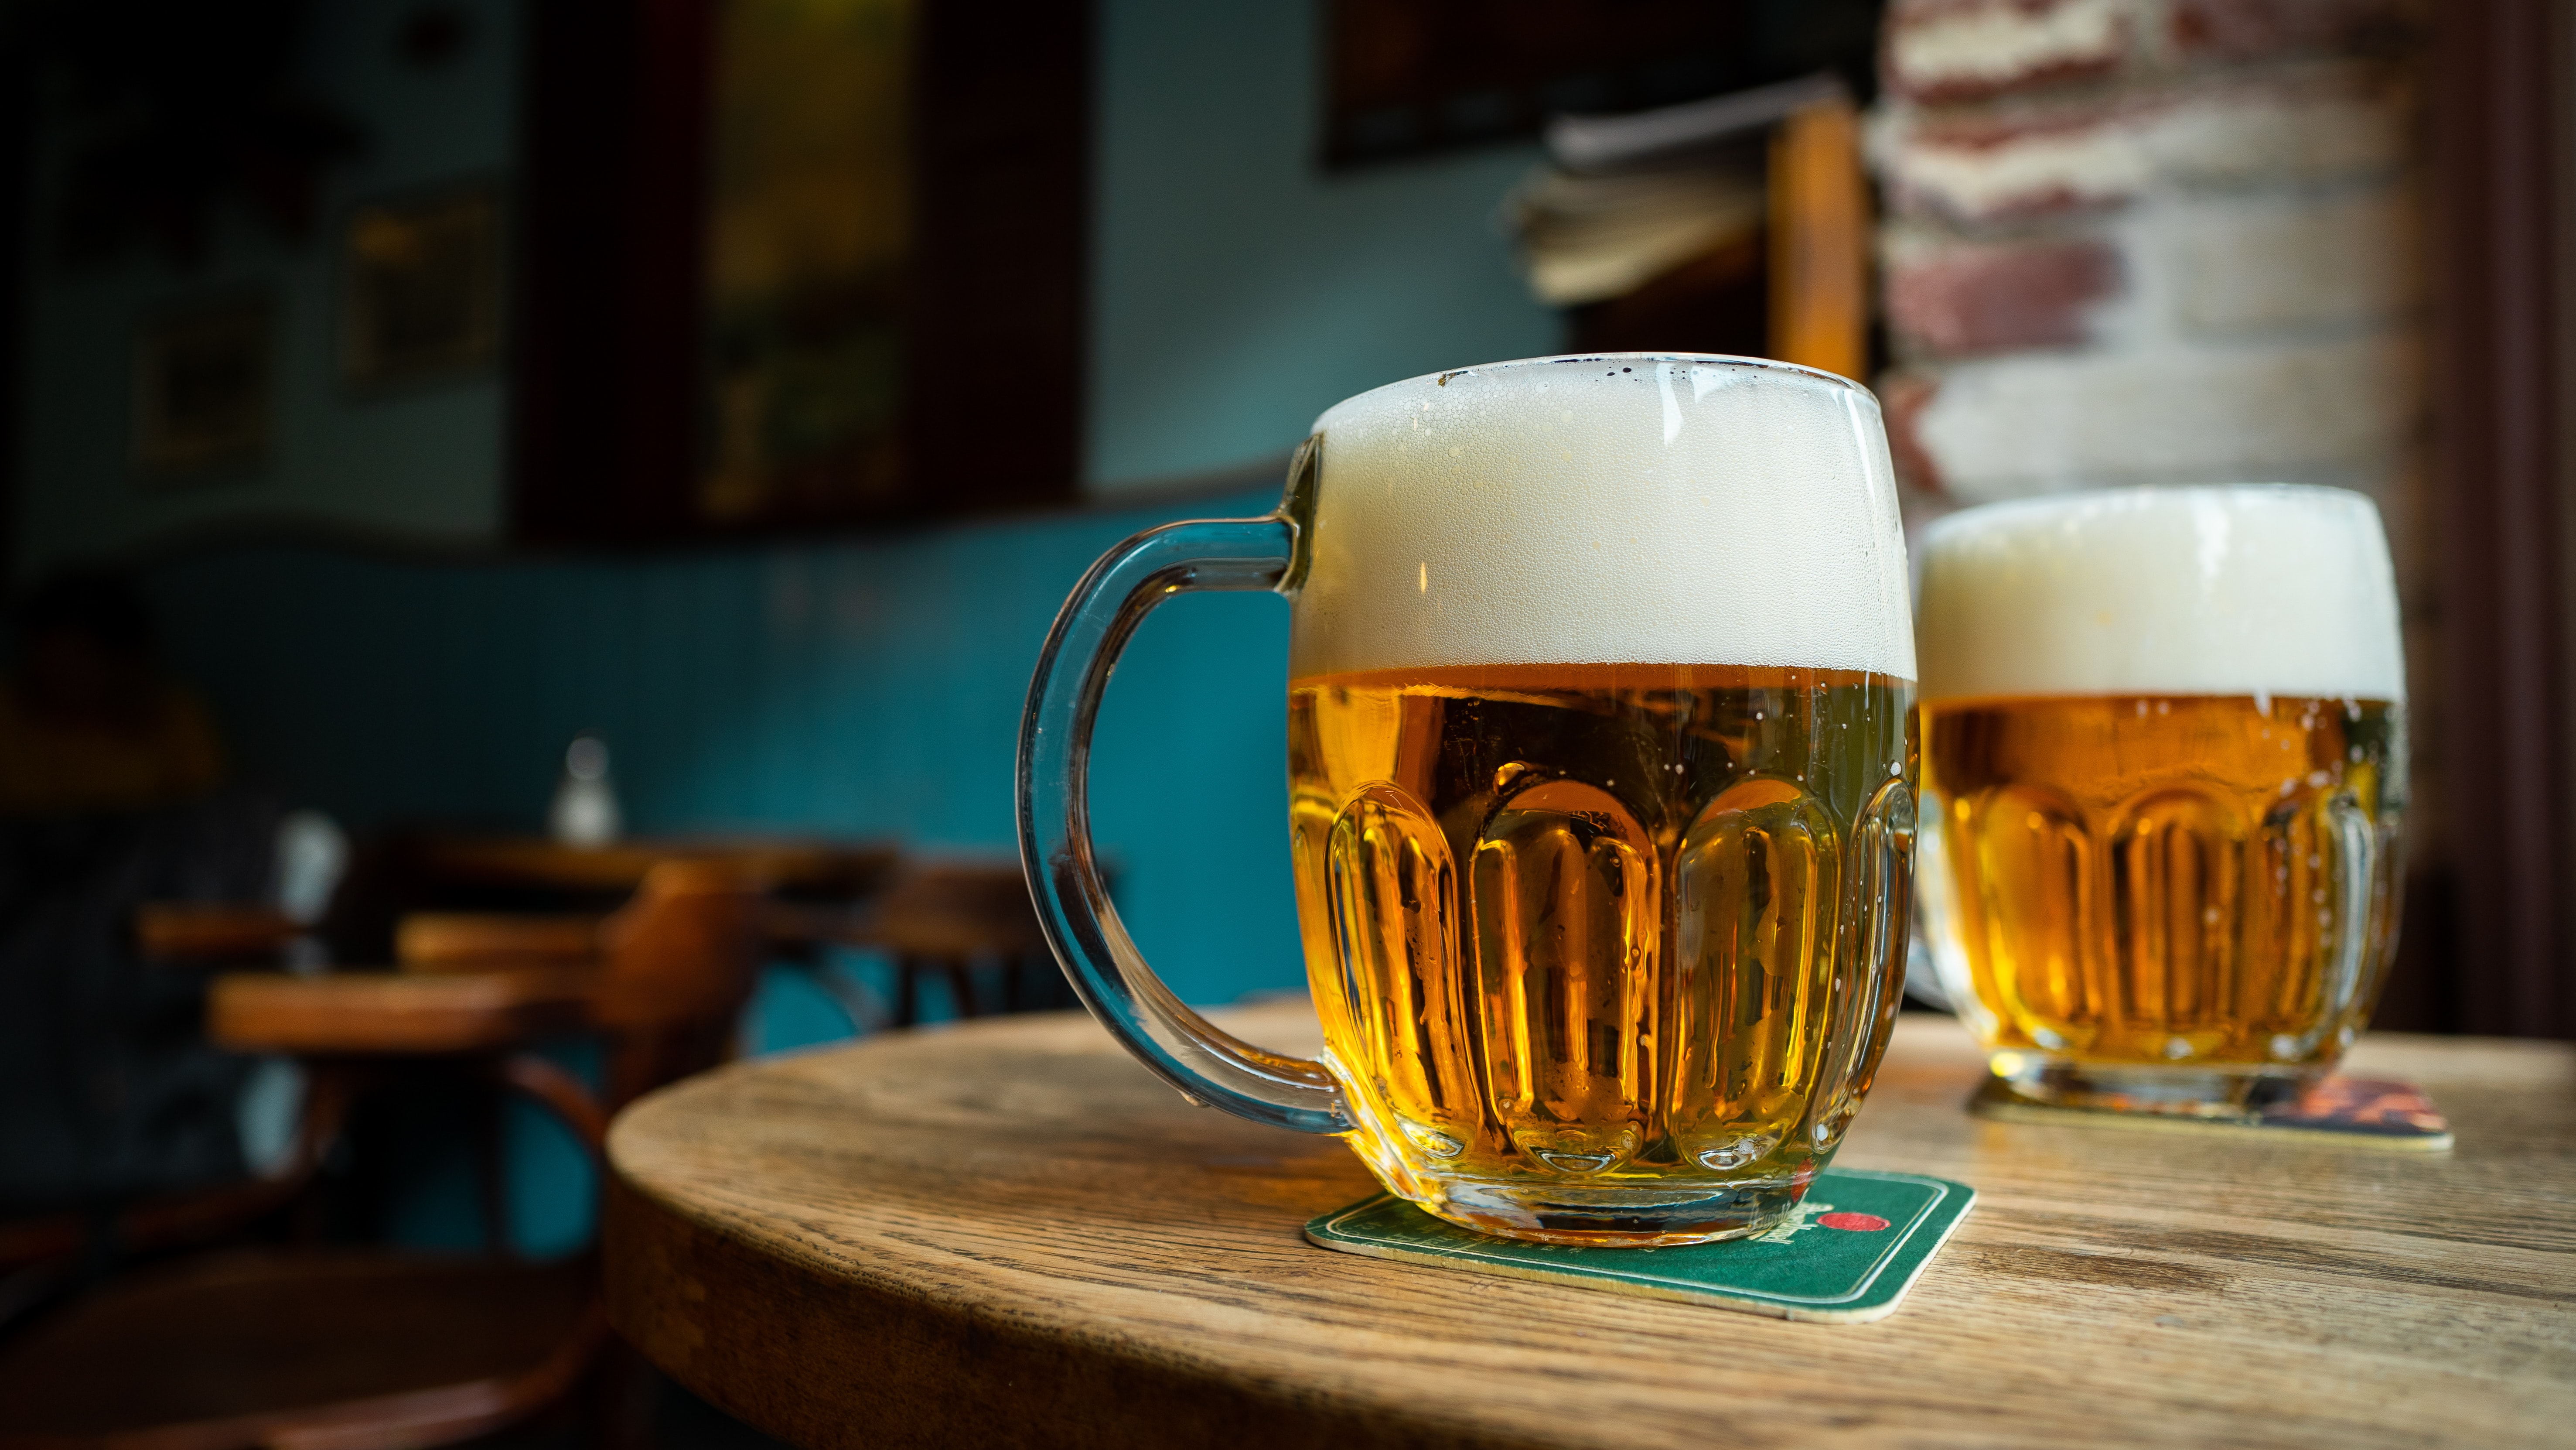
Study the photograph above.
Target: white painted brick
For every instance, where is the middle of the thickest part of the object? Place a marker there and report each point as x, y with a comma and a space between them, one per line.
1973, 48
2310, 122
1986, 168
2291, 124
2290, 259
2047, 422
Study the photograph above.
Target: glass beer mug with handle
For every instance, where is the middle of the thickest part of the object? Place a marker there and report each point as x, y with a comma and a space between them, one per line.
1600, 788
2164, 749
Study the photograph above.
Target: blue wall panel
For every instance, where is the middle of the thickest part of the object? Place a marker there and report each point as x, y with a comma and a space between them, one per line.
865, 688
861, 687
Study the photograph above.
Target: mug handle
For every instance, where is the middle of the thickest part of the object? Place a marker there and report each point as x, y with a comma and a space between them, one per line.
1209, 1066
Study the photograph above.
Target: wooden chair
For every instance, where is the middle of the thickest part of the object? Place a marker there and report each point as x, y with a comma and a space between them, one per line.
366, 1349
171, 1220
42, 1255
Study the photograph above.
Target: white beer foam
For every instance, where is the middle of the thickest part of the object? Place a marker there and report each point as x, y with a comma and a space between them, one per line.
2253, 589
1621, 509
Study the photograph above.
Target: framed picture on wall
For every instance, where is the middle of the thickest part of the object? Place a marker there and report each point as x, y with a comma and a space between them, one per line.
205, 382
420, 287
789, 266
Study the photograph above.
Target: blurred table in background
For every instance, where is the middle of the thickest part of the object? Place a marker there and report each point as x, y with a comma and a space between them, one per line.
1009, 1233
950, 919
790, 865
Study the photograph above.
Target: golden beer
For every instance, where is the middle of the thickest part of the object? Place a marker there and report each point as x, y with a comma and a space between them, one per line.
1612, 927
2162, 899
2134, 884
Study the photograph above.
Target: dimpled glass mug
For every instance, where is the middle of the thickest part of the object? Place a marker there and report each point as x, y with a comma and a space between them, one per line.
2164, 734
1601, 774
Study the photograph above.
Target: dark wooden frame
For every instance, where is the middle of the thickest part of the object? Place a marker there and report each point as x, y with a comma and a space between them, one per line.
159, 454
352, 310
18, 104
2499, 183
611, 218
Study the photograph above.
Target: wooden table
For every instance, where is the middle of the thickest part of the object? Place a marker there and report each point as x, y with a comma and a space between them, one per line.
1009, 1234
774, 863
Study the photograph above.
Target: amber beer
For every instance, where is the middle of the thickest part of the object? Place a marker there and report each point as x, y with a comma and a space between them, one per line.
1600, 773
2164, 775
1597, 925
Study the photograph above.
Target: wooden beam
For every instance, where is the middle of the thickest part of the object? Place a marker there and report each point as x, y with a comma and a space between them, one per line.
1820, 229
2499, 74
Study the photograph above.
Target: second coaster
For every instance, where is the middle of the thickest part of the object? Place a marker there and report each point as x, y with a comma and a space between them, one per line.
2363, 1112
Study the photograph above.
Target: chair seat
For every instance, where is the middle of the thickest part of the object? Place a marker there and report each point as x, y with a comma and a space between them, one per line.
459, 940
314, 1349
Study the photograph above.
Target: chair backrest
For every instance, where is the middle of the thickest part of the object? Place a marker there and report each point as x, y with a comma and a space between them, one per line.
677, 964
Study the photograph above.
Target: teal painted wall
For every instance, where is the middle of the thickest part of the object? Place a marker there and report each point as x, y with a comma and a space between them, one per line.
868, 688
869, 685
1239, 290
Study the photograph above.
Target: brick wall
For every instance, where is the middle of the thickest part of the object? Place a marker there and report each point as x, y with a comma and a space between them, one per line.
2161, 241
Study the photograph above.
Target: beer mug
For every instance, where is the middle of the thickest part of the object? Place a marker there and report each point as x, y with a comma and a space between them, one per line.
2164, 745
1600, 788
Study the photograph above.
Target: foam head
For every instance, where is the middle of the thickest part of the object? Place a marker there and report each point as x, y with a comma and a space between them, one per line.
2249, 589
1627, 509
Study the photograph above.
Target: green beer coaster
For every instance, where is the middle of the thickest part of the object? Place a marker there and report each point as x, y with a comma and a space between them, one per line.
1846, 1255
2358, 1112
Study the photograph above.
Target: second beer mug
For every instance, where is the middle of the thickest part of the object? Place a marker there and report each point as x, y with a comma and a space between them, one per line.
1600, 788
2164, 773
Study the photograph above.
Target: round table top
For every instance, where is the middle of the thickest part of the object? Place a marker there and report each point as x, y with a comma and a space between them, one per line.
1008, 1233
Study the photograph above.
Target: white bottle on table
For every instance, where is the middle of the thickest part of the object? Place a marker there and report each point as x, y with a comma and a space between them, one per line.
585, 811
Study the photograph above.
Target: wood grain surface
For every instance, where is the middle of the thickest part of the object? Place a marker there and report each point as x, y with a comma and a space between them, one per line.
1007, 1233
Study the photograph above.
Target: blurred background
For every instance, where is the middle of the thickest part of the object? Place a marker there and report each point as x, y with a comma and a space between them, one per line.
458, 457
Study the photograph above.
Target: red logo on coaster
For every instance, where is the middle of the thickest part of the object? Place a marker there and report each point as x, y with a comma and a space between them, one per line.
1859, 1223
